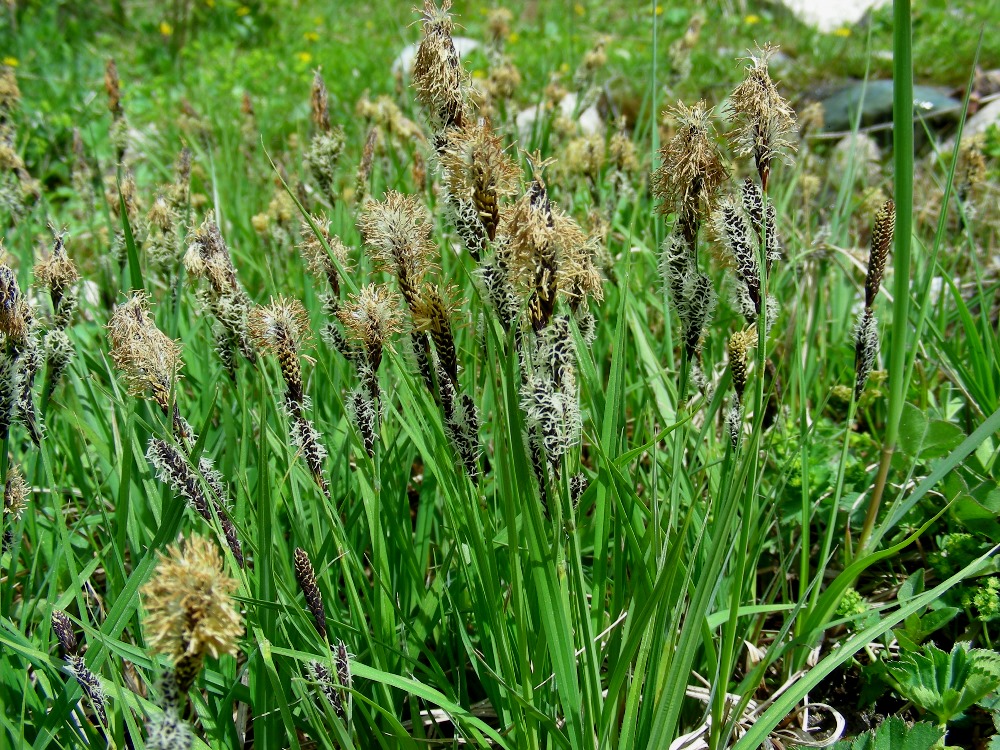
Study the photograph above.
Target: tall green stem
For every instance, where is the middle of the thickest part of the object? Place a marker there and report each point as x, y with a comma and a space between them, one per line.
902, 118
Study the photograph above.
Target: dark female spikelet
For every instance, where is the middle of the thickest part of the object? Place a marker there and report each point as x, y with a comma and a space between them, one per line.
327, 143
733, 229
69, 648
20, 356
306, 577
174, 470
866, 341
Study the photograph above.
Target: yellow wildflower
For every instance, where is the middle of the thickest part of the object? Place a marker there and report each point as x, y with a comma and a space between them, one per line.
304, 57
243, 11
512, 38
579, 9
843, 31
10, 61
751, 19
166, 29
311, 36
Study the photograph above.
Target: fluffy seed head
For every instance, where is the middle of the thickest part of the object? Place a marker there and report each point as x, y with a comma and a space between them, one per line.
398, 233
691, 170
57, 271
189, 610
882, 234
441, 83
208, 257
283, 325
765, 120
477, 168
371, 316
317, 258
146, 357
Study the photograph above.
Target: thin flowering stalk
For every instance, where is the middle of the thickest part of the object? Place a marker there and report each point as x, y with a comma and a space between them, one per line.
282, 327
59, 274
327, 144
208, 257
370, 318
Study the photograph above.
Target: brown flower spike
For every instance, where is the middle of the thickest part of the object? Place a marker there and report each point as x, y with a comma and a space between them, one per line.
882, 235
189, 609
763, 117
691, 171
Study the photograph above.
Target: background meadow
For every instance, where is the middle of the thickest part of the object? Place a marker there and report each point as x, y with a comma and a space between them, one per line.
451, 378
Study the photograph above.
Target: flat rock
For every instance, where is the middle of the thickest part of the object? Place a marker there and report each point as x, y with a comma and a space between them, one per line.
832, 14
979, 122
841, 107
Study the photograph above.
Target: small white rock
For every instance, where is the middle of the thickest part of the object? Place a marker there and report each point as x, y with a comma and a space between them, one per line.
403, 63
589, 121
832, 14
